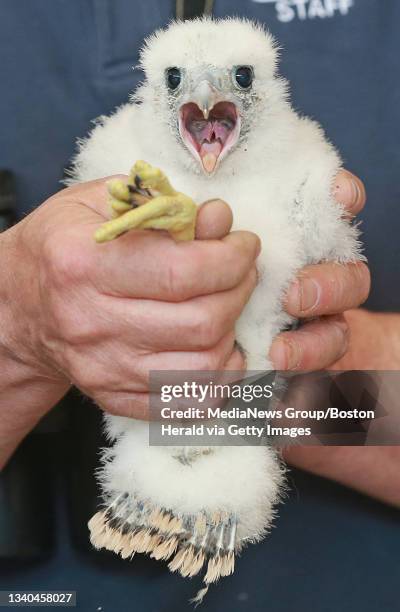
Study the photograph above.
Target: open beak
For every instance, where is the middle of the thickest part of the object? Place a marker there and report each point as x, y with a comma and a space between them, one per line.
209, 125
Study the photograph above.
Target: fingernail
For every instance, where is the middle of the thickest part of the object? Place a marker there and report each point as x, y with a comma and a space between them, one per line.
285, 354
347, 192
345, 332
356, 195
310, 293
212, 201
258, 247
303, 295
342, 325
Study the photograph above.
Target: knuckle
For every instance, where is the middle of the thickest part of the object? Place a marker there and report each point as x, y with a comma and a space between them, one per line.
204, 328
178, 279
346, 285
236, 259
78, 334
208, 360
248, 243
64, 260
73, 327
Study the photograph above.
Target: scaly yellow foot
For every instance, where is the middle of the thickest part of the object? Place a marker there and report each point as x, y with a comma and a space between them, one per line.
148, 201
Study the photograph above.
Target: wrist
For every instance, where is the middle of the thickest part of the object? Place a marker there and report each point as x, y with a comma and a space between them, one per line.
20, 312
28, 387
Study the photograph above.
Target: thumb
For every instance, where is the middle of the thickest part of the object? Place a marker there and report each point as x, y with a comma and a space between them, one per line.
214, 220
349, 191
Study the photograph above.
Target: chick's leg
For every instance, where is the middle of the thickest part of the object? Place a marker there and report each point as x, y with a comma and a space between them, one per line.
179, 218
126, 195
119, 208
174, 213
146, 176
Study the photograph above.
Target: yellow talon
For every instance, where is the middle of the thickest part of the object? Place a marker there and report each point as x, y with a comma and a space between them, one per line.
118, 207
119, 190
148, 201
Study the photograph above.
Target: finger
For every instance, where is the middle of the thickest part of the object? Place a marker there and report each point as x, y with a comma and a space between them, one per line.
145, 264
113, 370
328, 288
178, 271
349, 191
236, 362
211, 359
315, 346
135, 403
196, 324
214, 220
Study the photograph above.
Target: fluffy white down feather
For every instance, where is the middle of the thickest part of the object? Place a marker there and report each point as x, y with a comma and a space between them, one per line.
230, 478
278, 182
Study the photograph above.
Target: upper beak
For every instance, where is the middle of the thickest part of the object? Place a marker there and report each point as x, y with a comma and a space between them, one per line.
211, 139
206, 91
205, 95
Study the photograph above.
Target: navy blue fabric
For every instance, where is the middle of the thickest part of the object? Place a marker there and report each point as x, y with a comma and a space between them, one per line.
62, 63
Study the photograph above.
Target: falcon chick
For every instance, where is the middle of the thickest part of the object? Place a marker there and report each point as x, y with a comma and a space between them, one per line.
214, 115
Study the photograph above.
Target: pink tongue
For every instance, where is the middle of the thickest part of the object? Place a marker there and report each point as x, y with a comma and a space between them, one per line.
209, 153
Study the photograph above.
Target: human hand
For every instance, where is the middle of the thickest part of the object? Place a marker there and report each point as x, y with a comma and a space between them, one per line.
342, 339
325, 291
373, 470
101, 317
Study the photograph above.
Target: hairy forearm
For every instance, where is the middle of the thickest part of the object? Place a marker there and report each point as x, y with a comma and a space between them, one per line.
27, 388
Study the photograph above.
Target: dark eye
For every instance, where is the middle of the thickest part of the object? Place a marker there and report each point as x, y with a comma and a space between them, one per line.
173, 78
244, 76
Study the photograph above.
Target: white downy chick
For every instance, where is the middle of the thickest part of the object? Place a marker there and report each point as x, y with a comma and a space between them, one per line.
214, 115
